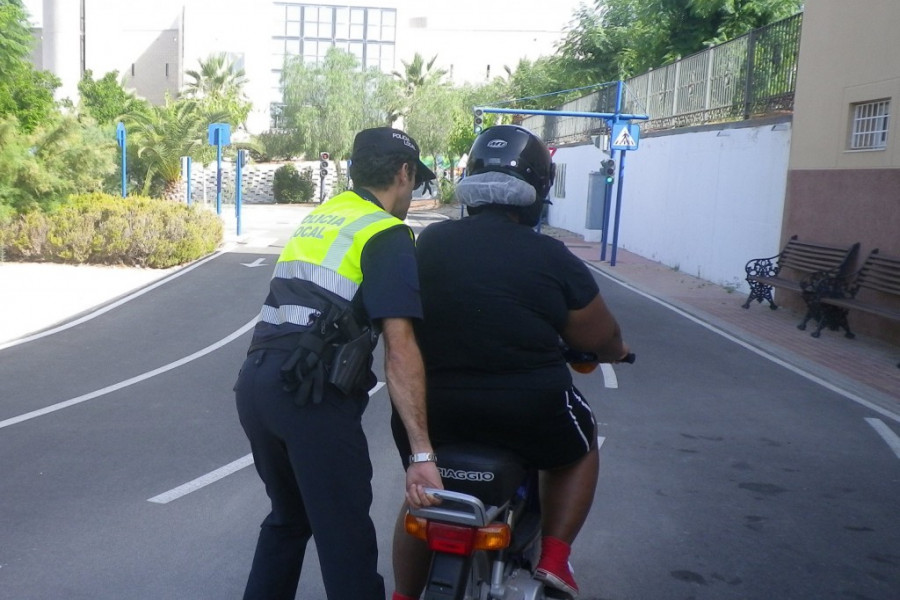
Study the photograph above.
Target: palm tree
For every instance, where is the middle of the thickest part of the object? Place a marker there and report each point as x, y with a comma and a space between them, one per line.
417, 73
166, 133
216, 77
220, 86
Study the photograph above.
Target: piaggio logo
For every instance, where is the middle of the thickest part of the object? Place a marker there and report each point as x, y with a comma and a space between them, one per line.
496, 144
461, 475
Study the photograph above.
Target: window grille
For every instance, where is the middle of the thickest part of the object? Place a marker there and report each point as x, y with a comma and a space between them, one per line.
869, 128
559, 184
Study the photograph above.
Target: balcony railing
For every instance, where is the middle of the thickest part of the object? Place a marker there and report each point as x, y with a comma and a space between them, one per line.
750, 76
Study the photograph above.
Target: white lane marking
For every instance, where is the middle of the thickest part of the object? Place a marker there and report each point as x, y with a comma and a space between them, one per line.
609, 376
220, 473
201, 482
815, 379
128, 382
111, 306
600, 440
892, 439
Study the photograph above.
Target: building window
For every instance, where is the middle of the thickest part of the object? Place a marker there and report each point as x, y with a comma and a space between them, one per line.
869, 129
310, 30
559, 184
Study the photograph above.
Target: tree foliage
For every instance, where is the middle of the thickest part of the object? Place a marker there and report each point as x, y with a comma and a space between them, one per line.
25, 93
106, 100
40, 169
616, 39
219, 87
327, 104
164, 134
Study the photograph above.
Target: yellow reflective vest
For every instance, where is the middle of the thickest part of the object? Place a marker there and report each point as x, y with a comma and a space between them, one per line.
324, 251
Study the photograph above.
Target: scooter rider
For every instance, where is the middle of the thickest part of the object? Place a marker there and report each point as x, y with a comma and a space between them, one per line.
347, 274
497, 297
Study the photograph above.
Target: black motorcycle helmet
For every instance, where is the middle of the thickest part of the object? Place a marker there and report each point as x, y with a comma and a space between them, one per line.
518, 152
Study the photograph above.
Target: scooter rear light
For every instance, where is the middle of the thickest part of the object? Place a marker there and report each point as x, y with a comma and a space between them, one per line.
458, 539
453, 539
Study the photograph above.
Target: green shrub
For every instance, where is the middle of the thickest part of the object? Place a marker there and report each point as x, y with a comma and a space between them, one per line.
104, 229
276, 145
447, 190
291, 186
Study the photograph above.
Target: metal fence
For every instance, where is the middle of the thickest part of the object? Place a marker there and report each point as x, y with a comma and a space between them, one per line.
750, 76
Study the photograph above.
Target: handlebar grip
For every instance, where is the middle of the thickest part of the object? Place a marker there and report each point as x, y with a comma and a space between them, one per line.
629, 358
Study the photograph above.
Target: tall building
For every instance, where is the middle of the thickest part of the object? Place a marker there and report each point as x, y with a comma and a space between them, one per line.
152, 43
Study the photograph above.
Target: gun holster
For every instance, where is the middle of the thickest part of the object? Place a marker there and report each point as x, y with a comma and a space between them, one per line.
337, 349
352, 362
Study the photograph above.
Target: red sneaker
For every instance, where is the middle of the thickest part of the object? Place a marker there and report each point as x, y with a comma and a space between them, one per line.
558, 577
554, 568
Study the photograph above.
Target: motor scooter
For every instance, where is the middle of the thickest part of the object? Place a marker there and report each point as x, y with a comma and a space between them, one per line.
485, 534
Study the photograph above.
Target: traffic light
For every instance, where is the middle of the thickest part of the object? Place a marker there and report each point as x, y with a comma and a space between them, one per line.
323, 164
479, 121
609, 169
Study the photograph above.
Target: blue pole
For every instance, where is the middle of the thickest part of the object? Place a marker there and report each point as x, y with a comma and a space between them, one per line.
607, 205
218, 175
615, 243
620, 182
121, 137
238, 184
124, 168
189, 162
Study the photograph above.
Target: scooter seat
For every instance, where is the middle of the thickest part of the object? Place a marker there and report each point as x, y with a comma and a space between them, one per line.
490, 474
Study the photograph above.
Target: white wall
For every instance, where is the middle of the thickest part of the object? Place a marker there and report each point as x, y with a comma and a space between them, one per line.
704, 202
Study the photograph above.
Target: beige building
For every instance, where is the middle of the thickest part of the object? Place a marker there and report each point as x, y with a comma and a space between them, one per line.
843, 181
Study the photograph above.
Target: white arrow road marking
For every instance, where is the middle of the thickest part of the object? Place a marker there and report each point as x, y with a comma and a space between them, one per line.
609, 376
892, 439
600, 440
128, 382
220, 473
259, 262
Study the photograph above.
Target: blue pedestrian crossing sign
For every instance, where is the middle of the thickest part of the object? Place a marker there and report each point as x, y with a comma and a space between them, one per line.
625, 136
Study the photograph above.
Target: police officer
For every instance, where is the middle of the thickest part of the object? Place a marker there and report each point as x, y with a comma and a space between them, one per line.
347, 275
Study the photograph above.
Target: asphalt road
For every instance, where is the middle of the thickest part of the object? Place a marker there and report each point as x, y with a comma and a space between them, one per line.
723, 475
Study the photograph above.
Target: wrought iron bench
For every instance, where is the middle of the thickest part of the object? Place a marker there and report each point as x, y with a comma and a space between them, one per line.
833, 296
805, 258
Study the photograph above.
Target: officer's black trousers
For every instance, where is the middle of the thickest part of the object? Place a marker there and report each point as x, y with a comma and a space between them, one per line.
315, 464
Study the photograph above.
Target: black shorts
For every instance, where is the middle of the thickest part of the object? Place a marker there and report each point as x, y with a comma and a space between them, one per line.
548, 429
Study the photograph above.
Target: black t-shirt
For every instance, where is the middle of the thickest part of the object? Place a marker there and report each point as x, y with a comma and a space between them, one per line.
390, 285
496, 296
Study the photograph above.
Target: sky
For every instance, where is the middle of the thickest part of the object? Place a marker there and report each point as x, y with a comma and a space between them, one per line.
534, 13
